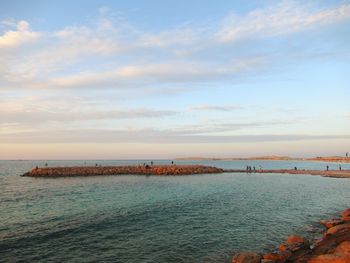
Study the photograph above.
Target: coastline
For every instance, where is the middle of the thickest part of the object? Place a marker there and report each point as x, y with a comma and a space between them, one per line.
333, 247
332, 159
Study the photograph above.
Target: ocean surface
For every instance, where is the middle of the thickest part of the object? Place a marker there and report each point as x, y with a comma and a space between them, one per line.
200, 218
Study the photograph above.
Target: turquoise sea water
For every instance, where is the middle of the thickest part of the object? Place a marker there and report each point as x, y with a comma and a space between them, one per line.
201, 218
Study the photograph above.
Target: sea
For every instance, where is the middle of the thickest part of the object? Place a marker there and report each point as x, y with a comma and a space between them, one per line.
195, 218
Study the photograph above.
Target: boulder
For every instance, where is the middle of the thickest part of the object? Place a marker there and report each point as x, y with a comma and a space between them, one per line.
338, 228
343, 248
345, 213
334, 222
278, 257
293, 239
330, 258
246, 257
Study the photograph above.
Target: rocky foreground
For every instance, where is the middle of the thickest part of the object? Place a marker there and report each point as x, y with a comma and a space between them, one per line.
122, 170
333, 247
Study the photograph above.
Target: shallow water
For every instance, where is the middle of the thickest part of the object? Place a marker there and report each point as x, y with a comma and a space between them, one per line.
201, 218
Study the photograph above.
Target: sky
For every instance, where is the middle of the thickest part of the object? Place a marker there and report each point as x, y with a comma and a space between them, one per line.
165, 79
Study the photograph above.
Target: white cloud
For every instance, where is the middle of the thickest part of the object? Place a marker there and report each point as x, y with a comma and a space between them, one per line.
149, 136
181, 36
138, 76
35, 116
118, 55
15, 38
215, 108
282, 19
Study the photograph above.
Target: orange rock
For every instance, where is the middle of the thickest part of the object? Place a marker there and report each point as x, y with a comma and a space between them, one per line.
295, 239
343, 248
333, 222
330, 258
338, 228
346, 213
278, 257
283, 247
246, 257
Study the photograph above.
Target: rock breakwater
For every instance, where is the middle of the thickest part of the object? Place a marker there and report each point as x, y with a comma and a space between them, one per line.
122, 170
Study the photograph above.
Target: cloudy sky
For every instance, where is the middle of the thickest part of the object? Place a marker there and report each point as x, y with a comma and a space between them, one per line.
165, 79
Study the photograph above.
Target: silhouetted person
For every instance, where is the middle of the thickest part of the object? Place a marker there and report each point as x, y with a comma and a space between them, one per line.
339, 167
152, 163
46, 164
327, 167
172, 162
295, 168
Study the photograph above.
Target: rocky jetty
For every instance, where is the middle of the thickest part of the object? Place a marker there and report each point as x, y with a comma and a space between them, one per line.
333, 247
122, 170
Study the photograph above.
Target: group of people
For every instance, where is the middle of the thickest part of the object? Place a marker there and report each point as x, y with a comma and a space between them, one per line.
327, 167
249, 168
147, 166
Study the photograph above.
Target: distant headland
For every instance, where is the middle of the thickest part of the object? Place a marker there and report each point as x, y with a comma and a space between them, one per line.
338, 159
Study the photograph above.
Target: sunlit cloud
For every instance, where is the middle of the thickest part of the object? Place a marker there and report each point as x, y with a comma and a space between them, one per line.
151, 136
285, 18
21, 35
215, 108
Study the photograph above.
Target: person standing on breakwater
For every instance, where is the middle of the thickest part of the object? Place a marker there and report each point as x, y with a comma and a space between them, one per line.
327, 167
339, 167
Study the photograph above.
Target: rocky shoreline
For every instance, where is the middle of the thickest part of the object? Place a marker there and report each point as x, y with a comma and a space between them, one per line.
122, 170
333, 247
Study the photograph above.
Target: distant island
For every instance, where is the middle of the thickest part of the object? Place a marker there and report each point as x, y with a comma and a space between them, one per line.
337, 159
